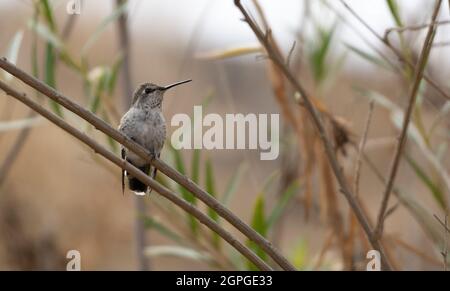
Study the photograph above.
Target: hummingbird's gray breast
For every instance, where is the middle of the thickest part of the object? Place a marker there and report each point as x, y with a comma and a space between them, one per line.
147, 128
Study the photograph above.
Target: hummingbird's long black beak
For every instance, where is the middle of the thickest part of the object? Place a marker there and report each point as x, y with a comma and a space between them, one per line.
176, 84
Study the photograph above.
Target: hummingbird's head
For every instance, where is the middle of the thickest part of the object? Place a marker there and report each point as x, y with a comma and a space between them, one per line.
151, 95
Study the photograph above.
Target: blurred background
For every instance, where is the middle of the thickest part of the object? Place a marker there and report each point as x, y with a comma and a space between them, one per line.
56, 195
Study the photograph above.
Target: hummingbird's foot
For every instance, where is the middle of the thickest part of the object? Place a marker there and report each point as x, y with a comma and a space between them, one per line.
153, 155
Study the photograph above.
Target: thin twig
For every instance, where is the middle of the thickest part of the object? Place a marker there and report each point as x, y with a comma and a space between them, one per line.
421, 64
444, 252
291, 51
446, 234
124, 43
362, 144
442, 223
411, 28
166, 193
127, 92
278, 60
157, 163
397, 53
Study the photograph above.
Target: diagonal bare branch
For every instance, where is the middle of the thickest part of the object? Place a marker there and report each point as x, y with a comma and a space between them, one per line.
166, 193
184, 181
397, 53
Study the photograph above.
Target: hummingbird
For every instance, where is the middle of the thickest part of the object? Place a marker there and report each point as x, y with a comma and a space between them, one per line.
144, 124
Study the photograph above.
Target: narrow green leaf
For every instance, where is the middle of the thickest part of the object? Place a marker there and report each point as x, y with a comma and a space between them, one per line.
179, 163
300, 255
152, 223
395, 12
211, 189
259, 225
103, 25
319, 53
113, 145
114, 73
161, 179
99, 78
210, 186
259, 220
50, 80
195, 165
48, 14
180, 167
45, 33
233, 184
435, 190
369, 57
282, 203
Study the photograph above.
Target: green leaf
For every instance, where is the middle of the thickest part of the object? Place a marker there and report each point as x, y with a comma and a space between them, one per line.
282, 203
114, 73
259, 220
48, 14
259, 225
233, 184
300, 255
210, 188
50, 54
113, 145
319, 53
99, 78
180, 167
50, 59
395, 12
195, 164
45, 33
178, 159
152, 223
118, 11
369, 57
435, 190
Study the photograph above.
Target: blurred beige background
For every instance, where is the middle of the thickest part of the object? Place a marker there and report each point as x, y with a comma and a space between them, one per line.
57, 197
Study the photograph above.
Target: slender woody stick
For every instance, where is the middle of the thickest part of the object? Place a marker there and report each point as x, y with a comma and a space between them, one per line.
398, 54
406, 119
166, 193
127, 91
317, 120
159, 164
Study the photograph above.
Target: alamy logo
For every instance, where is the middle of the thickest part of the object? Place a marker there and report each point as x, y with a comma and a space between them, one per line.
375, 260
249, 131
73, 7
75, 260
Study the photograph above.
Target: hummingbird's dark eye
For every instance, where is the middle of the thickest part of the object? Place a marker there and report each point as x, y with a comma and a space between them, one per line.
148, 90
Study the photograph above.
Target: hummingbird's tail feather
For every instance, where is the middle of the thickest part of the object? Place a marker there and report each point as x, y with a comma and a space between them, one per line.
135, 185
